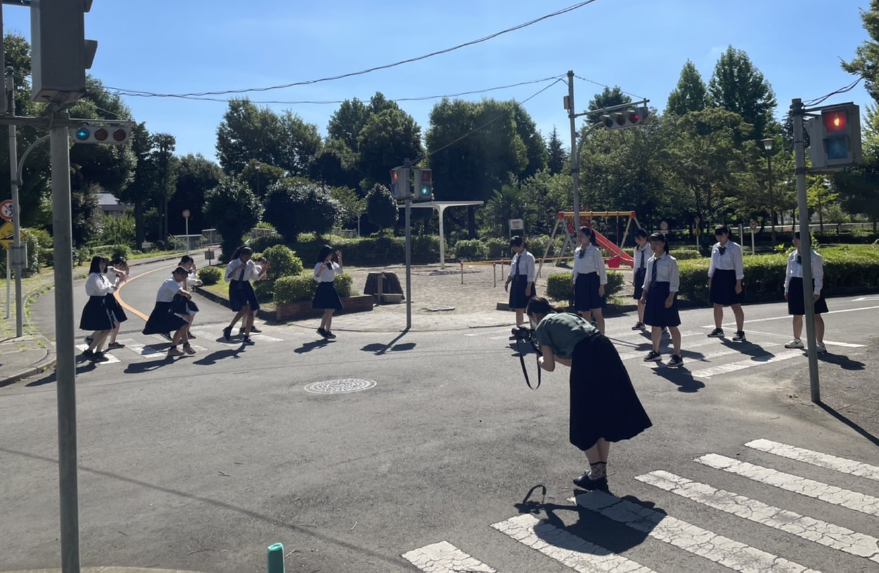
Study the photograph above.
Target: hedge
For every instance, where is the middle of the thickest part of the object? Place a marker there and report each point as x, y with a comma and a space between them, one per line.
303, 287
210, 275
282, 262
560, 286
470, 250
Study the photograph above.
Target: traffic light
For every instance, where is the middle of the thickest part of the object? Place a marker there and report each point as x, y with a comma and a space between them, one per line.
400, 183
101, 134
626, 118
423, 185
835, 138
60, 54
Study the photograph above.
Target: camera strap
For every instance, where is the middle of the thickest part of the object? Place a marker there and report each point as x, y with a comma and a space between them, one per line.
525, 370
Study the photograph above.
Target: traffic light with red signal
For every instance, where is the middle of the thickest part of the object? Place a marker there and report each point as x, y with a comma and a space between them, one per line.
835, 138
400, 183
626, 118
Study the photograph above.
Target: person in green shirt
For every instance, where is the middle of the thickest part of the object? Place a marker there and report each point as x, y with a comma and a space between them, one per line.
604, 406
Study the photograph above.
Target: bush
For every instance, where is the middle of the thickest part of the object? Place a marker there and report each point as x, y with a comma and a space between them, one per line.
233, 210
210, 275
300, 207
536, 245
498, 249
282, 262
261, 244
294, 289
686, 254
82, 256
425, 248
46, 249
381, 207
343, 285
560, 286
471, 250
264, 290
120, 251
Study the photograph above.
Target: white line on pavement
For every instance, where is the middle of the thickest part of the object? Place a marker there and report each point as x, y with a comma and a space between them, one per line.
827, 461
745, 364
787, 316
110, 358
717, 548
788, 482
566, 548
709, 342
830, 342
808, 528
443, 557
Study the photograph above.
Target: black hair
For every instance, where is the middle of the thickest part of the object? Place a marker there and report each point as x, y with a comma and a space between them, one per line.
322, 254
517, 241
641, 233
721, 230
796, 235
186, 259
180, 271
118, 261
242, 250
659, 238
96, 264
539, 305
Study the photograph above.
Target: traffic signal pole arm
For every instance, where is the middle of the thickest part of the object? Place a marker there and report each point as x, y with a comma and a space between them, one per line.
24, 156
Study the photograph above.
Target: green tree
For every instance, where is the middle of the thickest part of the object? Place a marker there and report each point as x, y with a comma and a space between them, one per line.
337, 165
557, 155
607, 98
294, 207
866, 62
300, 143
506, 204
140, 190
260, 176
738, 86
233, 210
350, 204
381, 207
196, 175
819, 196
166, 178
347, 122
385, 141
690, 93
546, 194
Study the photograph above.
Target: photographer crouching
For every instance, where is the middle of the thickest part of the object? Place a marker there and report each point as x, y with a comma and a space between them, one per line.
604, 406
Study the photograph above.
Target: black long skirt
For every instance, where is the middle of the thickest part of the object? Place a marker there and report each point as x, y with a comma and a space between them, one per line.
795, 303
97, 314
603, 400
723, 288
655, 313
163, 320
241, 294
586, 292
327, 297
518, 298
639, 283
116, 308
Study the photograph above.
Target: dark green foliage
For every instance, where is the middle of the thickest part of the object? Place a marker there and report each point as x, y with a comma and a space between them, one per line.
470, 250
690, 93
210, 275
299, 207
560, 286
282, 262
294, 289
381, 207
738, 86
234, 210
264, 290
260, 244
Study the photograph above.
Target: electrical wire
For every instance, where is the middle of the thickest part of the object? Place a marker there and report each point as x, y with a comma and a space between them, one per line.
608, 87
841, 90
143, 93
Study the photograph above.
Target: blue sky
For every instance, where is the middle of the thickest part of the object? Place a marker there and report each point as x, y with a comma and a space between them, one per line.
178, 46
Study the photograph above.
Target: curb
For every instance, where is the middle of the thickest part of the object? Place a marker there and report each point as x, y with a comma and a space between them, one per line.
47, 362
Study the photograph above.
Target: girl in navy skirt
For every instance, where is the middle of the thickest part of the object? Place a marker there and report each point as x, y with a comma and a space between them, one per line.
98, 312
642, 253
326, 297
189, 307
521, 276
589, 276
660, 299
167, 317
604, 407
117, 274
240, 271
793, 294
725, 274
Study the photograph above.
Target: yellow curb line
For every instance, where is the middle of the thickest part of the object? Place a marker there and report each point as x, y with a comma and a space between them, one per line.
124, 305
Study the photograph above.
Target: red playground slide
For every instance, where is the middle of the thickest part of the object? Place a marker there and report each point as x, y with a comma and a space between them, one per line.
604, 243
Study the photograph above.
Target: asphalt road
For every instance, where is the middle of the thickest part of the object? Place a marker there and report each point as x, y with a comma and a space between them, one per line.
201, 463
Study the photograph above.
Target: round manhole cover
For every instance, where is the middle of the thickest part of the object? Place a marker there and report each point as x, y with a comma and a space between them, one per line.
342, 386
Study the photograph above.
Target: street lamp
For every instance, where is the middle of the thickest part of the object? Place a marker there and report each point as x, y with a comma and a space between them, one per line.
767, 145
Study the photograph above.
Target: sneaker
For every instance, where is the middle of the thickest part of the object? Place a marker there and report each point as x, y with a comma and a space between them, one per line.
638, 326
821, 348
89, 340
653, 357
323, 332
190, 336
188, 349
174, 351
87, 354
675, 362
330, 334
115, 346
739, 337
247, 340
99, 357
227, 333
795, 343
716, 333
585, 482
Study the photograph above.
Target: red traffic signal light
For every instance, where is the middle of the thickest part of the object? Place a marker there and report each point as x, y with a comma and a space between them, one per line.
835, 121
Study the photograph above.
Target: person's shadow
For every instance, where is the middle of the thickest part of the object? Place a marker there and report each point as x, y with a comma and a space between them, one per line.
218, 355
309, 346
842, 361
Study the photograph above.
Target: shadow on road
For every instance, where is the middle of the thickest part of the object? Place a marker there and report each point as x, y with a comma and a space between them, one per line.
870, 437
843, 362
214, 357
379, 348
681, 377
309, 346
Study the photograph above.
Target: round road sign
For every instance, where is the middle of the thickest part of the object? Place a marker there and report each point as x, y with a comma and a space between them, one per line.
753, 225
186, 213
6, 211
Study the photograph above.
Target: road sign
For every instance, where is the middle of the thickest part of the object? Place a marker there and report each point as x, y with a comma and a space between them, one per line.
6, 232
517, 224
186, 213
698, 231
6, 211
753, 225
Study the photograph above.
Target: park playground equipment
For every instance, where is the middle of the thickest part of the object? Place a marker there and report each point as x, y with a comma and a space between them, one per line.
566, 218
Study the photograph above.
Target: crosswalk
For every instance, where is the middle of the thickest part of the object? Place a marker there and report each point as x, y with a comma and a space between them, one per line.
686, 540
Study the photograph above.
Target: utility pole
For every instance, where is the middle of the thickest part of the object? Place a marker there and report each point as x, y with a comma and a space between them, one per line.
18, 262
408, 165
575, 156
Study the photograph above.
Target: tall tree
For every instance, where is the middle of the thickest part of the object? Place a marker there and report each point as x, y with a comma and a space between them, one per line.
166, 177
337, 165
385, 141
300, 143
233, 210
607, 98
690, 93
195, 177
260, 176
866, 63
140, 190
557, 156
738, 86
347, 121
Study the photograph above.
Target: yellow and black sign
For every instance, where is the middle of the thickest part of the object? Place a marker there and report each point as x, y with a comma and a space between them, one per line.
7, 231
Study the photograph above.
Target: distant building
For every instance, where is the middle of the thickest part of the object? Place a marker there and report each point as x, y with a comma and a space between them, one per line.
111, 205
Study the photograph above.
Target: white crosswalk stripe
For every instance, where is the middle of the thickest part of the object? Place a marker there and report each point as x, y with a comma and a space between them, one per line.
717, 548
110, 358
443, 557
811, 529
745, 364
803, 486
575, 552
826, 461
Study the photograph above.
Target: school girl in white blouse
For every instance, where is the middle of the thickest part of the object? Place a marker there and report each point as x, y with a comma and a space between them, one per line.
168, 316
97, 315
725, 274
326, 297
522, 273
661, 285
240, 271
642, 253
793, 294
590, 277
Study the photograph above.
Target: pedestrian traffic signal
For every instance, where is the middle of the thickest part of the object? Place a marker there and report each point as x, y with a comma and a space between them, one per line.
400, 183
60, 54
423, 185
625, 119
835, 138
101, 134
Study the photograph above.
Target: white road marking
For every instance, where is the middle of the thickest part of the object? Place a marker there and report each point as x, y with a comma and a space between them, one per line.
787, 316
110, 358
265, 338
709, 342
826, 461
808, 528
566, 548
692, 539
443, 557
745, 364
788, 482
647, 341
830, 342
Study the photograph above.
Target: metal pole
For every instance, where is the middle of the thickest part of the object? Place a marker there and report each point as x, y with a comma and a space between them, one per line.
17, 253
65, 370
771, 199
8, 280
798, 112
408, 265
187, 234
442, 239
575, 159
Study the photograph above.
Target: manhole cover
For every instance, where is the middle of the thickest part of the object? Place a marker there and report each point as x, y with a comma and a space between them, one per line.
342, 386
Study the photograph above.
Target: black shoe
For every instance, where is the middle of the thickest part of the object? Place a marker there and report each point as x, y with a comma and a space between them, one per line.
88, 354
329, 334
585, 482
227, 333
99, 357
323, 332
716, 333
190, 336
675, 362
115, 346
653, 357
247, 340
739, 337
638, 326
253, 330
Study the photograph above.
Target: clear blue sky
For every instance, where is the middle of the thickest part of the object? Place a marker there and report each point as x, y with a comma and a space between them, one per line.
205, 45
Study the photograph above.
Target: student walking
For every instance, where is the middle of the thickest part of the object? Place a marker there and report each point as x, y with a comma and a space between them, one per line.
97, 315
239, 272
604, 406
116, 274
186, 306
793, 294
167, 316
326, 297
660, 299
642, 253
590, 278
725, 274
521, 276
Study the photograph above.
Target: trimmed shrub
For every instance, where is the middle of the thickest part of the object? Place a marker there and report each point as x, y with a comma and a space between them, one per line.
686, 254
536, 245
123, 251
294, 289
560, 286
282, 262
425, 248
343, 285
470, 250
261, 244
264, 290
498, 249
210, 275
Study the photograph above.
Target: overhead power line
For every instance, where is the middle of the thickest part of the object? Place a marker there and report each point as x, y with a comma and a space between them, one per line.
841, 90
143, 93
607, 86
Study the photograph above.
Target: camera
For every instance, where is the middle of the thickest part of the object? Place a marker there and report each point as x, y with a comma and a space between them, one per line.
522, 333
